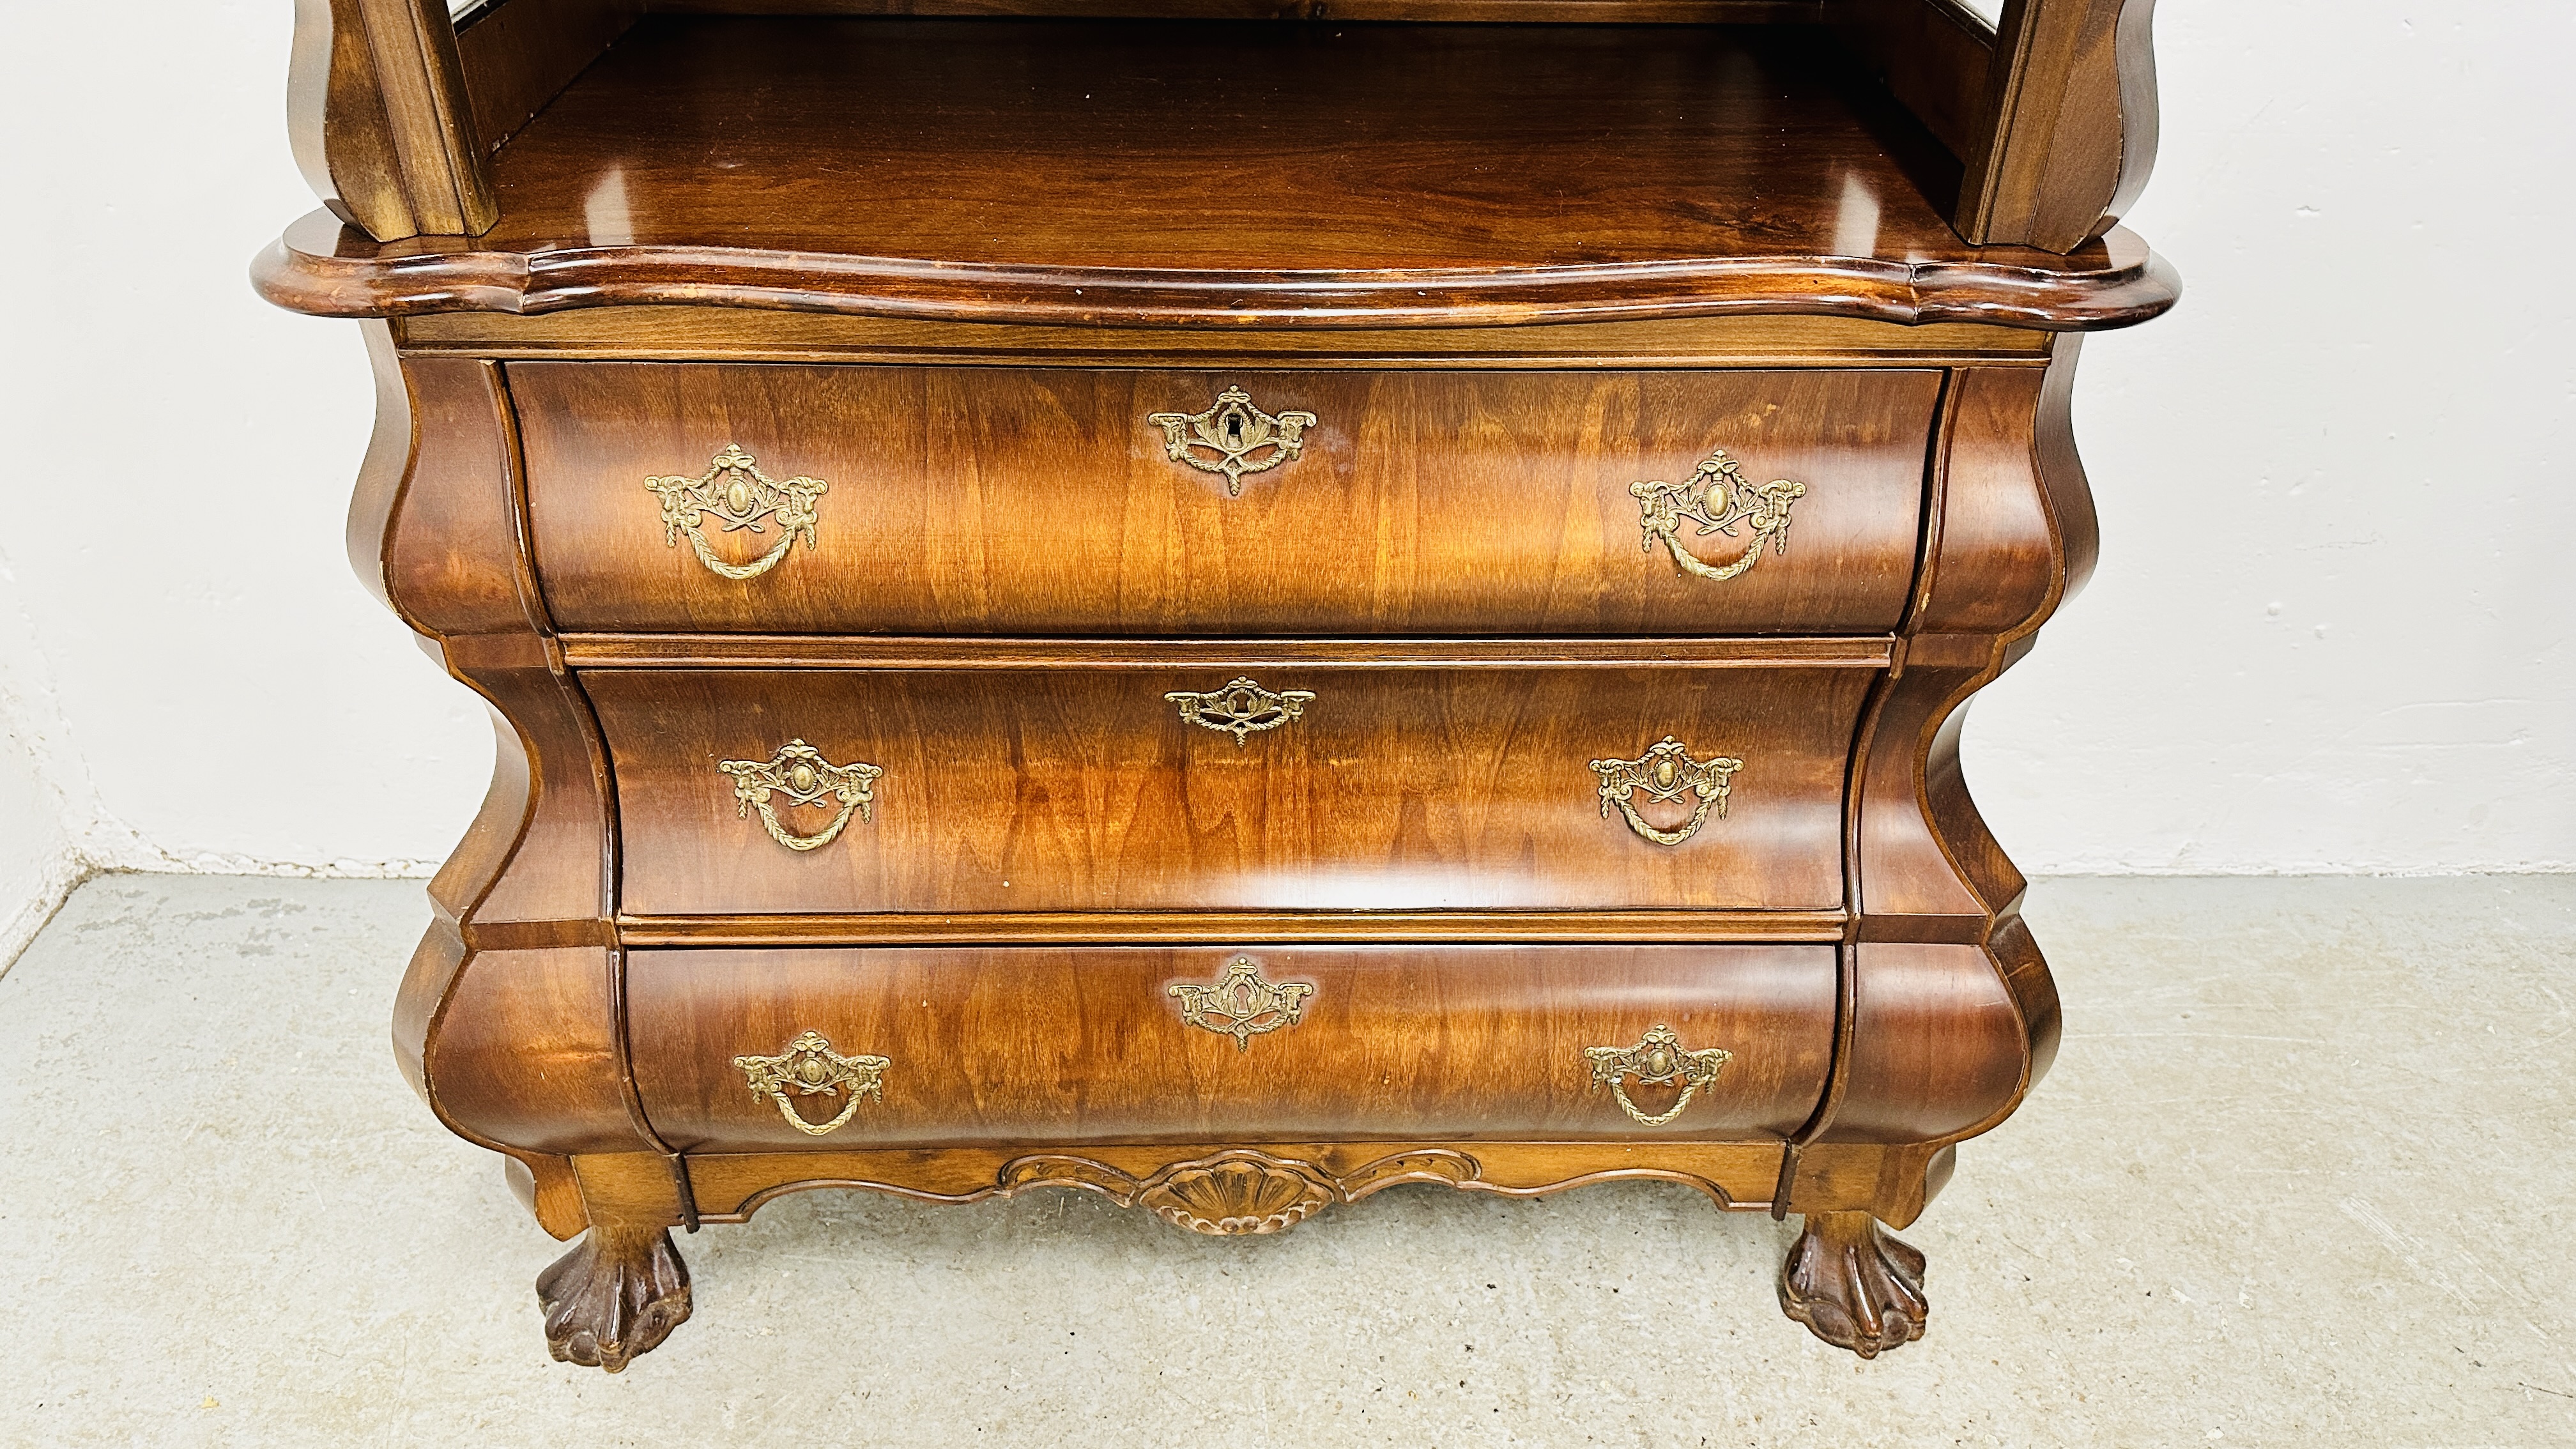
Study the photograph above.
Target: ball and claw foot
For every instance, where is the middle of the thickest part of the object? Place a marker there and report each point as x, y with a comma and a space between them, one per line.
1854, 1285
618, 1293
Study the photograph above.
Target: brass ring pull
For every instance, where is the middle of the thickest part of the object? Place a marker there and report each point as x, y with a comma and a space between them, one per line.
1656, 1059
1718, 499
800, 772
738, 496
1242, 1005
1241, 707
1667, 772
810, 1068
1237, 437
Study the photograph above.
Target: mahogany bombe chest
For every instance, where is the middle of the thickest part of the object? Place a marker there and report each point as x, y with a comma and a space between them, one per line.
1221, 609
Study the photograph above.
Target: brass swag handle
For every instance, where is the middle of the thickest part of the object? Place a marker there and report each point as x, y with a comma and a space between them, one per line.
1241, 707
1242, 1005
800, 772
735, 493
1667, 772
1658, 1059
810, 1068
1233, 437
1718, 499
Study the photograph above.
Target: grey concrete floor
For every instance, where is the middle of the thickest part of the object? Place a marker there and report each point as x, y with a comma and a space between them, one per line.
2300, 1177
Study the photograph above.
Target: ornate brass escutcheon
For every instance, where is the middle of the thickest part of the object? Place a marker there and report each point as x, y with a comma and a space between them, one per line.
1241, 1004
1236, 437
1241, 707
1718, 499
1667, 772
800, 772
738, 496
1658, 1059
810, 1068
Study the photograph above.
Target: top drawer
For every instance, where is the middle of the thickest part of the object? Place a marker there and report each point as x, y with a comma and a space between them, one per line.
968, 500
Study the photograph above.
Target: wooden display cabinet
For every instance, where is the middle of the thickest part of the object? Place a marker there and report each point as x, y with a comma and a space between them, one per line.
1223, 603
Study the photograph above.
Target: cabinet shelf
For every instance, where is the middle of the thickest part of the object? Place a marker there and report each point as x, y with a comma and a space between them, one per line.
1192, 172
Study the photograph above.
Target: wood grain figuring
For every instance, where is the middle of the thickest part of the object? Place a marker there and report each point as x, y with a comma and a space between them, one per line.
526, 1053
1397, 790
1045, 1047
381, 124
1934, 56
1003, 501
517, 55
730, 1187
2072, 98
879, 651
955, 169
1235, 927
951, 266
514, 1042
737, 334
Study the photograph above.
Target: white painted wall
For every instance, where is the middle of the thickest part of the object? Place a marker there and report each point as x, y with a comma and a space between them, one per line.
37, 862
2330, 631
211, 688
2332, 626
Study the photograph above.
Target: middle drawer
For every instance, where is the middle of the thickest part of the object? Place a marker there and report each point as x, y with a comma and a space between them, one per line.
1135, 786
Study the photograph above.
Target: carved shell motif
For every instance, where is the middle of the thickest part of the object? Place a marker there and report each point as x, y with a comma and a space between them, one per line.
1236, 1194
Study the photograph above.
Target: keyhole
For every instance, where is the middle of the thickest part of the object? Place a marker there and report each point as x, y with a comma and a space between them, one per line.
1234, 427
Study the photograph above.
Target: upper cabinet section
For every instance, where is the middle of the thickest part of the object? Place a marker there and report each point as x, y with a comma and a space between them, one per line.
1900, 160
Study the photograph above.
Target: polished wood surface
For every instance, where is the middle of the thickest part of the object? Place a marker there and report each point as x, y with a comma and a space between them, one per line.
2072, 134
942, 928
1031, 170
516, 55
506, 1021
1064, 1046
731, 1187
1021, 501
881, 651
710, 334
1398, 789
950, 265
381, 124
1934, 57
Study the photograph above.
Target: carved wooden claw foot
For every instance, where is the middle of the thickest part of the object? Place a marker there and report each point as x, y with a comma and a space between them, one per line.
1854, 1284
619, 1293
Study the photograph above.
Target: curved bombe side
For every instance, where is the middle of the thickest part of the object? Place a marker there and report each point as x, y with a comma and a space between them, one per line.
1952, 1014
506, 1022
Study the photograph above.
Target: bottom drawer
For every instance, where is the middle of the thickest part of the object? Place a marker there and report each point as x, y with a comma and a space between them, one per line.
1108, 1044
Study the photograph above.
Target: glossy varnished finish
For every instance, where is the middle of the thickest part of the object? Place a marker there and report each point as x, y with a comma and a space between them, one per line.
1020, 501
1049, 1048
382, 126
718, 334
507, 1018
1034, 170
951, 267
2070, 125
731, 1186
1399, 788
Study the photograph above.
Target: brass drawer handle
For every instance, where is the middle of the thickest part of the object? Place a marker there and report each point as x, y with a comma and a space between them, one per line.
1656, 1059
1241, 707
1667, 772
800, 772
738, 496
810, 1068
1717, 498
1237, 437
1242, 1005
